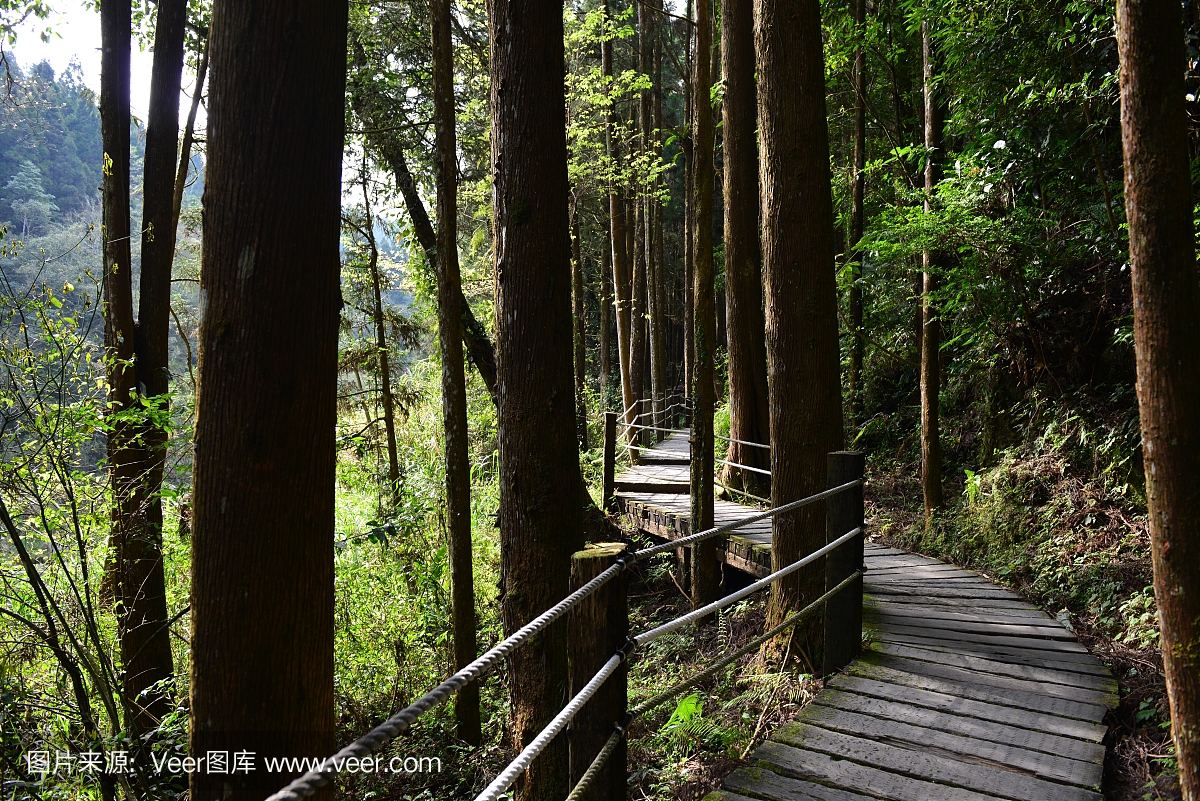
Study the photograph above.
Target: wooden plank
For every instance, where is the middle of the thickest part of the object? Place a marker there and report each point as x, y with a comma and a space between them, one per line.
987, 686
799, 763
873, 592
967, 748
956, 702
919, 764
1052, 660
939, 606
963, 725
766, 784
938, 590
919, 628
982, 664
968, 622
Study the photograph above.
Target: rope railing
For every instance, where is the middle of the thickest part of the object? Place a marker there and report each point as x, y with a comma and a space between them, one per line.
518, 766
743, 442
743, 466
610, 745
377, 738
733, 597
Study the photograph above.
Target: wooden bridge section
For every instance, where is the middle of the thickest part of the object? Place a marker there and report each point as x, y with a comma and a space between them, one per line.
963, 692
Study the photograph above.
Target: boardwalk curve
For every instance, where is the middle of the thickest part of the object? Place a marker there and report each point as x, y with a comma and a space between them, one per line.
964, 690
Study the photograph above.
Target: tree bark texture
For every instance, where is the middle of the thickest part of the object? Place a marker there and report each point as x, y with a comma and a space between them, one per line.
137, 447
749, 410
689, 211
262, 598
706, 570
800, 290
857, 195
579, 334
931, 326
541, 515
454, 379
1166, 304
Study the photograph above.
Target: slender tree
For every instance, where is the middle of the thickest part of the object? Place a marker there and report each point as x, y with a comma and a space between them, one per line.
606, 300
381, 346
858, 186
541, 514
454, 379
749, 411
617, 233
579, 332
138, 351
706, 572
689, 211
801, 293
931, 326
1166, 304
262, 601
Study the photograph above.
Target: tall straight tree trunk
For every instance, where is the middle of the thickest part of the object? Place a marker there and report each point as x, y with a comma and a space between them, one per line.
137, 448
931, 326
541, 515
749, 409
606, 300
801, 293
637, 309
1166, 303
381, 353
706, 570
658, 333
689, 210
580, 352
620, 253
262, 601
454, 378
857, 193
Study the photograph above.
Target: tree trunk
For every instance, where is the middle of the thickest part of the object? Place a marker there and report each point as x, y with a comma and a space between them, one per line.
931, 327
749, 411
857, 192
606, 300
189, 139
689, 211
577, 290
801, 293
658, 331
262, 600
706, 570
637, 312
381, 353
620, 255
137, 447
454, 379
541, 518
1166, 302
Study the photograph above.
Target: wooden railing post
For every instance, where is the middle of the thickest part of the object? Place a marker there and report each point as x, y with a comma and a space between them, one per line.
843, 513
610, 460
598, 627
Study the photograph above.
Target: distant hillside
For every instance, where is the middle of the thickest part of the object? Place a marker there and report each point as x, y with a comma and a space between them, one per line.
50, 148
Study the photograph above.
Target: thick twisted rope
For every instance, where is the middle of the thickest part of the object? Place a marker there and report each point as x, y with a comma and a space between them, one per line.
515, 768
373, 741
601, 759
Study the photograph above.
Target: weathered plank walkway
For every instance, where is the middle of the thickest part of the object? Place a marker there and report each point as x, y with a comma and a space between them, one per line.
964, 691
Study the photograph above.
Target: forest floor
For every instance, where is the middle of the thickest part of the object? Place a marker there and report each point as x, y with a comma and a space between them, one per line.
1139, 765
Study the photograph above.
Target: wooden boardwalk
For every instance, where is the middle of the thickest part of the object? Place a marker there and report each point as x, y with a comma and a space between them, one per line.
964, 691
